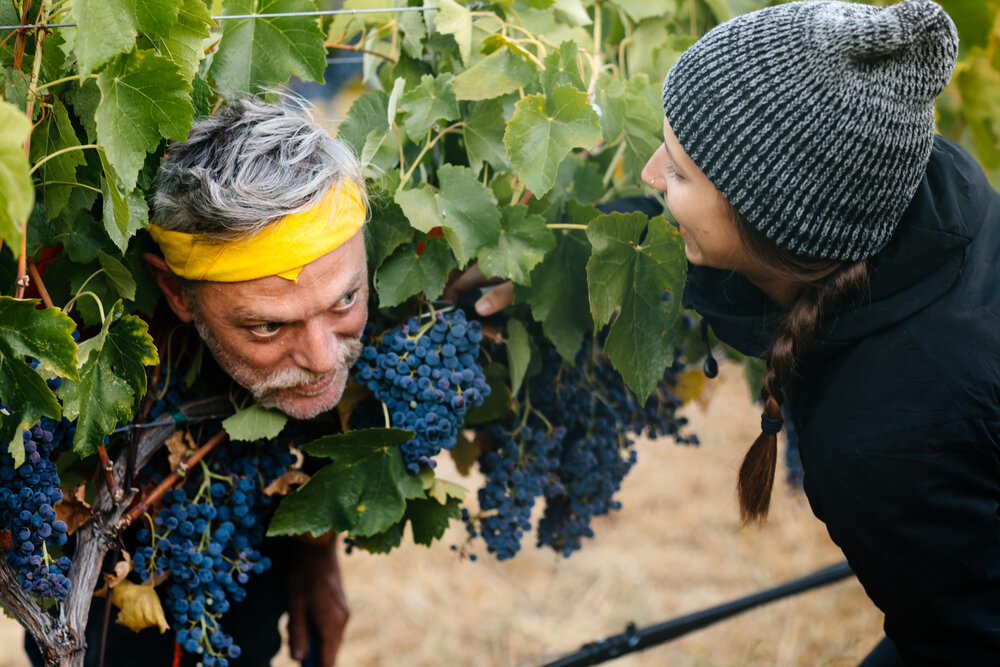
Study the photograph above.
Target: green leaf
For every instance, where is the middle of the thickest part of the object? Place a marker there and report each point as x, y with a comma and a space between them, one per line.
59, 173
362, 492
425, 105
544, 129
255, 53
483, 134
518, 353
632, 108
144, 98
367, 118
105, 28
455, 20
405, 273
119, 276
255, 423
183, 44
635, 262
414, 31
561, 68
45, 335
134, 209
112, 379
497, 74
558, 294
429, 519
384, 542
463, 207
18, 193
638, 10
524, 240
498, 404
387, 231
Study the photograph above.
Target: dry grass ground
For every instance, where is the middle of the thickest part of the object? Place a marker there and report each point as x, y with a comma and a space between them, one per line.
676, 547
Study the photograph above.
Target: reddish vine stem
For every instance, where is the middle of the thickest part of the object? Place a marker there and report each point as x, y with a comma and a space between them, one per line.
358, 49
171, 480
44, 293
109, 473
21, 39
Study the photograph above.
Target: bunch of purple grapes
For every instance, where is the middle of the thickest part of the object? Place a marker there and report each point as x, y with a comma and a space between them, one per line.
428, 377
521, 466
589, 420
207, 536
28, 494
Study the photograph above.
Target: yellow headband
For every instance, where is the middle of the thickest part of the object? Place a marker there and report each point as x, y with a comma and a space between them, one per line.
282, 249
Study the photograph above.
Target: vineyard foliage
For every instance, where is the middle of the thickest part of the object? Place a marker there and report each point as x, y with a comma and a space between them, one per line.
488, 132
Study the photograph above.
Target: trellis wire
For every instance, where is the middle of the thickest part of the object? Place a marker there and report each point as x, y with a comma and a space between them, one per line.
636, 639
277, 15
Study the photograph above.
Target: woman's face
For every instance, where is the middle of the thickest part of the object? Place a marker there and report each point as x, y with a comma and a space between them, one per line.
708, 230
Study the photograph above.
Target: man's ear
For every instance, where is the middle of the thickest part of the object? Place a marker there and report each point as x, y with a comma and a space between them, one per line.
170, 285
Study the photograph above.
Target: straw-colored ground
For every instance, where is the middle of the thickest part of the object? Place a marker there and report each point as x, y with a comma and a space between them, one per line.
676, 547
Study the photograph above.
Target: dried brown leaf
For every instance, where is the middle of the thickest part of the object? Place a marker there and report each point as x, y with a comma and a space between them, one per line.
283, 485
180, 445
74, 510
140, 606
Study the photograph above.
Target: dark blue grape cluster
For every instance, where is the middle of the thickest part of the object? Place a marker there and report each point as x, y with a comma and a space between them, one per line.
590, 420
521, 466
208, 539
428, 377
28, 495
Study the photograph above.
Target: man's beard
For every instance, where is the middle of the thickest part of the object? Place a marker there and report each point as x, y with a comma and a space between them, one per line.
266, 389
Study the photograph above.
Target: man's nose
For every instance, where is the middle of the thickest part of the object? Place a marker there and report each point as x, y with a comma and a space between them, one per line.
316, 350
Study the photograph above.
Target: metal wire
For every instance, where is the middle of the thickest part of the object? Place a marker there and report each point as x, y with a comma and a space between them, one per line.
278, 15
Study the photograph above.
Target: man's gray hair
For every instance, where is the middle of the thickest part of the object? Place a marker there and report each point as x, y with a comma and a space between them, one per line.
248, 166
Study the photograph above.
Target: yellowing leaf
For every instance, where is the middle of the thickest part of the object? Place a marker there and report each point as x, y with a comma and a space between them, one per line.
442, 490
15, 181
180, 444
689, 385
140, 606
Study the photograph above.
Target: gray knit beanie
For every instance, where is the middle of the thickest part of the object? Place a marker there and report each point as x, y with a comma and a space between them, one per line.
815, 119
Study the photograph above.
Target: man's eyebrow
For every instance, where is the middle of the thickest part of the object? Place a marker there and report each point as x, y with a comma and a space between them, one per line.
244, 314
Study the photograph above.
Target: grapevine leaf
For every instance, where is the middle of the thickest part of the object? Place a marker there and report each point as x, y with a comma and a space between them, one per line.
442, 490
143, 97
544, 129
638, 10
463, 207
431, 101
182, 45
384, 542
59, 173
633, 108
45, 335
497, 74
112, 379
558, 295
362, 492
405, 273
255, 423
118, 275
483, 133
140, 606
15, 181
497, 405
387, 231
455, 20
125, 215
414, 31
106, 28
635, 262
518, 353
368, 114
430, 518
561, 68
524, 240
261, 52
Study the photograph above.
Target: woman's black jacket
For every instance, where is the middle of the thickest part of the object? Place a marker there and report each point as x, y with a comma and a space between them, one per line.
898, 412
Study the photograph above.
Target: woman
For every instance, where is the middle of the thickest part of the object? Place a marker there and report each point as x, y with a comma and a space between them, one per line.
830, 232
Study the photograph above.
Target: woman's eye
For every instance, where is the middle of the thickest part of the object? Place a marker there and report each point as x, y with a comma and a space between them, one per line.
348, 299
265, 329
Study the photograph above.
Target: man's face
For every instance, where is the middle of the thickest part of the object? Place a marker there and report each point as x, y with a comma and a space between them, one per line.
291, 344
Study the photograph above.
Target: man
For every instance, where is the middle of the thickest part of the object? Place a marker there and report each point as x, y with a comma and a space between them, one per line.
259, 217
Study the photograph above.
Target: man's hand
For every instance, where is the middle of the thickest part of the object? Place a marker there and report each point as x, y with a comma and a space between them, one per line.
316, 602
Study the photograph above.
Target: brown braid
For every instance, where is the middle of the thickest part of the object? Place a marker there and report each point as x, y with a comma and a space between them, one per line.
825, 287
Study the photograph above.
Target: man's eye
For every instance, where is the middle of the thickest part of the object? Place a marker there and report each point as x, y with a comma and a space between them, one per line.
265, 329
348, 299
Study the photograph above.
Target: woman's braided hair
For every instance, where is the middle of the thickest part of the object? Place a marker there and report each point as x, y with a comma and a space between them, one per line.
825, 287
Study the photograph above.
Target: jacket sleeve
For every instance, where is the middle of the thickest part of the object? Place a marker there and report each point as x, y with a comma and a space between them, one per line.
920, 525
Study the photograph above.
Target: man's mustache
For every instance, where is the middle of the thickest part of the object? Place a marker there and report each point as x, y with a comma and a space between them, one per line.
347, 353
